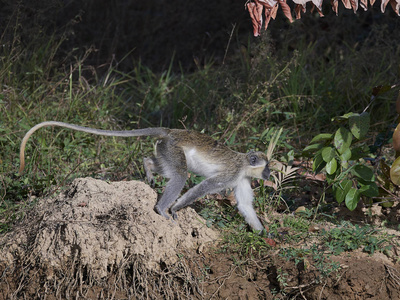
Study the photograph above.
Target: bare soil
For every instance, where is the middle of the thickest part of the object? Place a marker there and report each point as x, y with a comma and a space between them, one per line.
100, 240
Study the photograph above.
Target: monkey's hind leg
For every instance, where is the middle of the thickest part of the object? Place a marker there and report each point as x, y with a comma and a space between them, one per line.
170, 161
171, 193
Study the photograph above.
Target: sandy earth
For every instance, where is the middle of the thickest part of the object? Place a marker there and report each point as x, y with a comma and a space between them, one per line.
100, 240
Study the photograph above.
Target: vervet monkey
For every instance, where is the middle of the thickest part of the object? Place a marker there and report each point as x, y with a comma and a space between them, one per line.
178, 151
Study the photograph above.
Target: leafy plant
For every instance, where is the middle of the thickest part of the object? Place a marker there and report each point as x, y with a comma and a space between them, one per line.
349, 237
215, 214
311, 256
245, 243
281, 174
342, 156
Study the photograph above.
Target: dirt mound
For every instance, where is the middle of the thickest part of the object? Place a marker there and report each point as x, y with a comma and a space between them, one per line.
99, 226
100, 240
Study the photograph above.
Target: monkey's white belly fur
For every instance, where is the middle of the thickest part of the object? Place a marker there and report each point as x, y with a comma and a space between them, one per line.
199, 164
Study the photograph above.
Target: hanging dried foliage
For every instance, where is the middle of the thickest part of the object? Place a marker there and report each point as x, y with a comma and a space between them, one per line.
270, 7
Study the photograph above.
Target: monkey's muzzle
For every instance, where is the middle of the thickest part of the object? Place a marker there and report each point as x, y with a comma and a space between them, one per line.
266, 173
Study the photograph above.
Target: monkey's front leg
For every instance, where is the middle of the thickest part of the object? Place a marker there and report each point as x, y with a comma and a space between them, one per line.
244, 198
208, 186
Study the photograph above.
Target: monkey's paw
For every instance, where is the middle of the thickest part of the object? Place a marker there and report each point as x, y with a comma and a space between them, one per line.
161, 212
174, 215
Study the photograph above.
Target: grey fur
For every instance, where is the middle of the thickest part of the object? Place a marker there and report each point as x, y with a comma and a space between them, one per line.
178, 151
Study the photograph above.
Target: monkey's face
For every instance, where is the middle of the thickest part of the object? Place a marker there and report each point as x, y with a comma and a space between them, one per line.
258, 165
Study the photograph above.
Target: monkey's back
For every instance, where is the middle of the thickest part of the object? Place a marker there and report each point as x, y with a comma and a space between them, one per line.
202, 142
204, 155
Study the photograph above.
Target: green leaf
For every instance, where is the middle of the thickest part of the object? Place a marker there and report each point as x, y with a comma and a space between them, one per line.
344, 117
321, 137
369, 190
312, 148
395, 172
342, 140
328, 153
363, 172
342, 189
346, 155
352, 198
344, 158
359, 124
318, 163
358, 152
331, 166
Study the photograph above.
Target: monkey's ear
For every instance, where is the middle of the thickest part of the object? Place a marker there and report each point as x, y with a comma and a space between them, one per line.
253, 158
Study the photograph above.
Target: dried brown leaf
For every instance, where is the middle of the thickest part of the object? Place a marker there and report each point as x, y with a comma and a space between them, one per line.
396, 6
267, 3
270, 13
318, 5
286, 10
383, 5
302, 2
300, 209
354, 5
314, 228
270, 242
271, 6
298, 9
335, 6
255, 11
364, 4
319, 11
347, 4
394, 3
300, 6
274, 11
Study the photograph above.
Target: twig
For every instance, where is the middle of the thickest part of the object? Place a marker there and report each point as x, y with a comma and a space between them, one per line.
391, 271
229, 42
301, 293
300, 286
320, 293
223, 282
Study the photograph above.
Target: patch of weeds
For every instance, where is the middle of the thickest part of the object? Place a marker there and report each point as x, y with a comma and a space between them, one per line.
298, 224
323, 263
217, 215
159, 183
282, 279
18, 196
349, 237
245, 243
289, 228
194, 179
304, 258
295, 254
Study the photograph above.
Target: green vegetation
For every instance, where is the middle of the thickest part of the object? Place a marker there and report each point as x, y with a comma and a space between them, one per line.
344, 159
347, 237
306, 243
243, 102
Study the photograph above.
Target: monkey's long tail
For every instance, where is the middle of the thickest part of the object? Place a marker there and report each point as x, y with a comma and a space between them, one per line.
159, 132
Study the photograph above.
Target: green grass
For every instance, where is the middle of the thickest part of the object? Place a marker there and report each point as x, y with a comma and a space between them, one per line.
259, 87
307, 249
